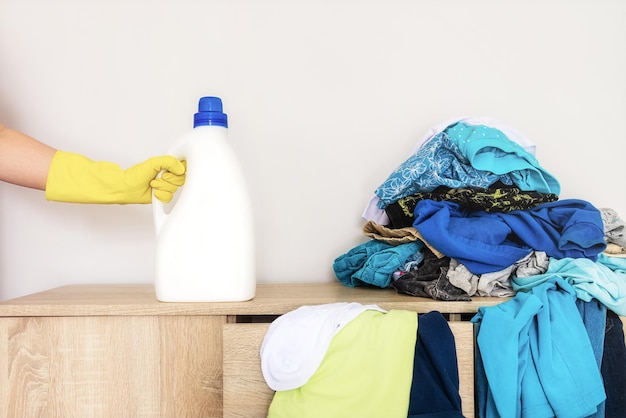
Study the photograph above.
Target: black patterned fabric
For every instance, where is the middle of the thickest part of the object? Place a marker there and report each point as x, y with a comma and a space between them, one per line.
497, 198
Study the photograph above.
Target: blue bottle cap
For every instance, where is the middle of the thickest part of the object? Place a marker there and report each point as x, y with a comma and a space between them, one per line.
210, 113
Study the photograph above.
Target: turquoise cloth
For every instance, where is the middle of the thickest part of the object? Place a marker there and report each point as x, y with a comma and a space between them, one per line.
488, 149
537, 357
374, 262
604, 279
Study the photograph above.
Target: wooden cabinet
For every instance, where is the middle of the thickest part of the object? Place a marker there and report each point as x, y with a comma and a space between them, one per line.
115, 351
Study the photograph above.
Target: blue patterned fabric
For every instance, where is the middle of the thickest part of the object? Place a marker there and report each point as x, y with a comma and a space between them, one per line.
466, 156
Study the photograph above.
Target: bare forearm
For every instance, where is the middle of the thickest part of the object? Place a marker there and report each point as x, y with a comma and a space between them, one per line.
24, 160
70, 177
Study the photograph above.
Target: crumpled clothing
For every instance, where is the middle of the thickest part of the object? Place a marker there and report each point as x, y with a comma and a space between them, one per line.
438, 163
395, 236
510, 133
497, 198
614, 227
372, 210
295, 343
614, 249
496, 284
534, 357
613, 360
489, 149
374, 262
366, 371
466, 156
390, 236
604, 279
435, 383
429, 280
487, 242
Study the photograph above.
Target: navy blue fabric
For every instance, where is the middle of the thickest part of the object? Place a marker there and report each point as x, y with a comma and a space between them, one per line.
435, 385
613, 361
486, 242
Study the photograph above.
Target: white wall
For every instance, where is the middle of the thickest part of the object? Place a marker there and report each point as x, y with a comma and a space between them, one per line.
324, 99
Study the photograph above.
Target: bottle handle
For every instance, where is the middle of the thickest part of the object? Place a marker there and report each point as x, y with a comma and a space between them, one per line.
158, 211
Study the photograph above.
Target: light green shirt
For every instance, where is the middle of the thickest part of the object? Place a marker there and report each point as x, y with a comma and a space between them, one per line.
367, 372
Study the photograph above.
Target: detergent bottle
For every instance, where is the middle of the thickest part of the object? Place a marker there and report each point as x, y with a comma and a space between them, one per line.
205, 248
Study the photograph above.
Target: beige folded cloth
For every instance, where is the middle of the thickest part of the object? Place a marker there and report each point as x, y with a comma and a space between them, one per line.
614, 249
396, 236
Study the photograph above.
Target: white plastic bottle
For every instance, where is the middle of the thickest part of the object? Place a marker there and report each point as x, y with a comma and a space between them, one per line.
205, 248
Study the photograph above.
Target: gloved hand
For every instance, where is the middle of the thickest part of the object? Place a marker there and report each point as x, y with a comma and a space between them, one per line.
77, 179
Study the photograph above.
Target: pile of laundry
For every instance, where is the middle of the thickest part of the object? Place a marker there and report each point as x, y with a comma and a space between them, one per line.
471, 212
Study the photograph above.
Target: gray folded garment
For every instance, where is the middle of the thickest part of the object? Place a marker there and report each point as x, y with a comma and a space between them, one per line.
613, 227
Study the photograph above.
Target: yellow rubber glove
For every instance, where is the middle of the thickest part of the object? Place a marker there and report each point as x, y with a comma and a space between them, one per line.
77, 179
